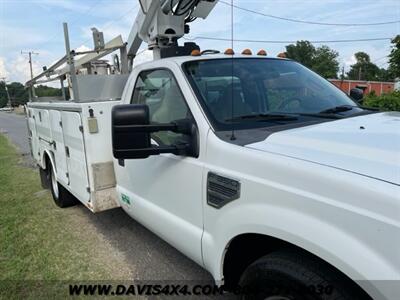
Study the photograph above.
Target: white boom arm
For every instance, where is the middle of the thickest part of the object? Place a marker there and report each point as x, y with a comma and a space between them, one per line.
160, 23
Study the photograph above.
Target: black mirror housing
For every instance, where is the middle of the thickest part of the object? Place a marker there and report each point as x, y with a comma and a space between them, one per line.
131, 131
357, 94
124, 140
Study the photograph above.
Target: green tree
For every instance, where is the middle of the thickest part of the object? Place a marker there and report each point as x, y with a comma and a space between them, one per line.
385, 75
18, 93
325, 62
394, 58
3, 94
303, 52
322, 60
364, 69
47, 91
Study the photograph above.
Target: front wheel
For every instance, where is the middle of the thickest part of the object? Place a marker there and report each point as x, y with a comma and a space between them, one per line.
290, 275
44, 178
62, 198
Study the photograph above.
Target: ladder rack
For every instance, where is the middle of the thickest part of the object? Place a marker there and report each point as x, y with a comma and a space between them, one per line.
68, 67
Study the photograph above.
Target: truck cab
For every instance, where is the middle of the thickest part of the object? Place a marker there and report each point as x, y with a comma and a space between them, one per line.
254, 167
229, 158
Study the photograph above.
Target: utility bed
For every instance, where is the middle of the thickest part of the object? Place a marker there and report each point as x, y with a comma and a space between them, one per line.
76, 138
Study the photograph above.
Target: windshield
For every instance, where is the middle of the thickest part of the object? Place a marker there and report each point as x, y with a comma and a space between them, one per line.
230, 89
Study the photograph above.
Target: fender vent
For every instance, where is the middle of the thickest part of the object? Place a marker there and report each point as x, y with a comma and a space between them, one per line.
221, 190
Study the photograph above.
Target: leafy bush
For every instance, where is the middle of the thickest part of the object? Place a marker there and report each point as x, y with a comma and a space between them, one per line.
386, 102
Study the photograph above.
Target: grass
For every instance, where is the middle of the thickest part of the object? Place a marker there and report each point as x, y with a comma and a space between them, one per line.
42, 247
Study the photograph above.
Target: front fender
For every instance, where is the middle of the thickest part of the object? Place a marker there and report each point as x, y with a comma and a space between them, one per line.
348, 220
341, 248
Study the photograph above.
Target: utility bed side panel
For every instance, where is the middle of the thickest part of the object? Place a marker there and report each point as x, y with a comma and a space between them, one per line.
96, 119
76, 156
42, 121
98, 142
33, 137
78, 136
41, 140
60, 158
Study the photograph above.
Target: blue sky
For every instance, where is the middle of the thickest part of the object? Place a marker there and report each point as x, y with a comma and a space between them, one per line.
37, 25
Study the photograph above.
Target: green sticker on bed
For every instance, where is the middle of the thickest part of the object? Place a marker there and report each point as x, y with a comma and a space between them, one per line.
125, 199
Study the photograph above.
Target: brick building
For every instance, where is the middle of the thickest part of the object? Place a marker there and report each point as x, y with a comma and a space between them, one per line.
367, 86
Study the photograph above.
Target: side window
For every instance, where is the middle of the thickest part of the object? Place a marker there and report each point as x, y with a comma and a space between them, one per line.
159, 90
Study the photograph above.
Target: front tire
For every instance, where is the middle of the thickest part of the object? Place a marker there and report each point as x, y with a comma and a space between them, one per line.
44, 178
291, 275
62, 198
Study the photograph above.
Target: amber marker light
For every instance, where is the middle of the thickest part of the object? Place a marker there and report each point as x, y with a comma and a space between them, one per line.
247, 52
262, 52
195, 53
229, 51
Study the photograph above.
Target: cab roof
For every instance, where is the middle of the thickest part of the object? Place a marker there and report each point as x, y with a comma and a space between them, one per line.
182, 59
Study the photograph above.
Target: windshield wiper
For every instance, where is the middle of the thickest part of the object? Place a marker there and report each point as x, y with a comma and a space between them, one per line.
330, 113
264, 118
336, 109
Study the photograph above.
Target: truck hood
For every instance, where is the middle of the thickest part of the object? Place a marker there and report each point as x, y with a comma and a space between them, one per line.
368, 145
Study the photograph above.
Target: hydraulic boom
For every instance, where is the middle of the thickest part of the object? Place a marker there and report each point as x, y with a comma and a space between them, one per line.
160, 23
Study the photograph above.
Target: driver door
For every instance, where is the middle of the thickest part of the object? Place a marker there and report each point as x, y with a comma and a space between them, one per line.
164, 191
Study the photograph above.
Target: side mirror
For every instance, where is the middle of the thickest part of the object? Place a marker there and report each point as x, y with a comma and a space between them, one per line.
357, 94
131, 131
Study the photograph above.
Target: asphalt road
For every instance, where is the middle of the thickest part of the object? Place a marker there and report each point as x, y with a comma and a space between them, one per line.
15, 127
149, 257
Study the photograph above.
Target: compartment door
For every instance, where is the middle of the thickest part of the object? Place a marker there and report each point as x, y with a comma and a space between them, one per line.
32, 135
60, 157
43, 130
76, 155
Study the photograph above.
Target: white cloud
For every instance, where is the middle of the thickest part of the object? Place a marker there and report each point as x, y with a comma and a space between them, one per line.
3, 69
19, 69
110, 30
349, 61
144, 56
81, 48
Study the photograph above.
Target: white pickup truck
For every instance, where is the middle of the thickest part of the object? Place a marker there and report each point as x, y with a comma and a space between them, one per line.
256, 168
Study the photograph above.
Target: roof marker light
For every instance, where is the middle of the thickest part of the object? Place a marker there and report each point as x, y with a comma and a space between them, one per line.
247, 52
262, 52
195, 52
229, 51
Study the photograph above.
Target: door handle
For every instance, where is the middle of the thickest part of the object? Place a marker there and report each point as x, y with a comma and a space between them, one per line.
67, 151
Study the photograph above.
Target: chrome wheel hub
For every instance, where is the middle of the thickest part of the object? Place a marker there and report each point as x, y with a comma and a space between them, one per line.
54, 183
